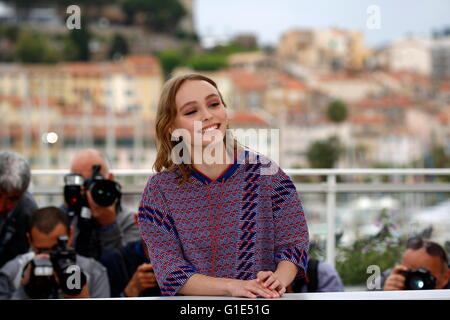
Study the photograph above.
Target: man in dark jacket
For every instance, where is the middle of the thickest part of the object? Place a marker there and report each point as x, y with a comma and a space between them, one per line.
16, 205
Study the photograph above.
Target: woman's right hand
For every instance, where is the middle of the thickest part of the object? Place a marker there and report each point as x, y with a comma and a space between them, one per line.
250, 289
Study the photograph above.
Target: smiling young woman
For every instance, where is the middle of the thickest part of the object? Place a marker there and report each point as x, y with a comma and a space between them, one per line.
184, 103
220, 228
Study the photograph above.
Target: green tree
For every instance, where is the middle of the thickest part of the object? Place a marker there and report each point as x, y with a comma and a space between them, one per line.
161, 16
231, 48
183, 35
88, 3
440, 159
61, 3
324, 153
383, 165
10, 32
35, 48
207, 62
70, 51
32, 3
119, 46
80, 39
169, 59
337, 111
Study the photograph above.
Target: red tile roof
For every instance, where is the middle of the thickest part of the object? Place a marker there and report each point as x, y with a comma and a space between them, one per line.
246, 81
290, 82
443, 118
247, 118
405, 76
367, 120
34, 101
346, 77
444, 87
142, 60
83, 68
297, 111
129, 65
385, 102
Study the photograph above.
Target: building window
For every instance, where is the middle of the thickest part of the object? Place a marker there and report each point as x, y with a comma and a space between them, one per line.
132, 108
254, 100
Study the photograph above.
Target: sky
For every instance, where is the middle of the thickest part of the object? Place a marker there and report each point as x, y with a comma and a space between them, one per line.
269, 19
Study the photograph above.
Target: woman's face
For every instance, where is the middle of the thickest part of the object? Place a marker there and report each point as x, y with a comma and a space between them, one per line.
200, 112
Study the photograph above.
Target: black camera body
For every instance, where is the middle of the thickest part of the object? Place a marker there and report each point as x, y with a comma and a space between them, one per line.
42, 282
104, 192
420, 279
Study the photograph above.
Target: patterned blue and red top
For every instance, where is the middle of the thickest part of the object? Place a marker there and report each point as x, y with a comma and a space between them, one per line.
232, 227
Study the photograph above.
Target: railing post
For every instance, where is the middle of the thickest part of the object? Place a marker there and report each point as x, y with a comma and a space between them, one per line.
331, 219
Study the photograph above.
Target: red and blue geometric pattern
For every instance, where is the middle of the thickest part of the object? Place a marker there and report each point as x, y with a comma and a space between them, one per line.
232, 227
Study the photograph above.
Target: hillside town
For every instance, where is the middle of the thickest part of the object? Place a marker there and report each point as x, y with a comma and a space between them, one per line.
396, 98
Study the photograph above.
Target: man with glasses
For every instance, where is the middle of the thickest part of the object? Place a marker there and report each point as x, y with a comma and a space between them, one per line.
421, 255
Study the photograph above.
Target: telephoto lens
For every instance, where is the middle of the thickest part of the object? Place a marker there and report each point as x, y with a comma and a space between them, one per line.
104, 192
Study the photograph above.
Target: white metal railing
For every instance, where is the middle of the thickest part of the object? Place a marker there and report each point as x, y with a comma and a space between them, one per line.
331, 187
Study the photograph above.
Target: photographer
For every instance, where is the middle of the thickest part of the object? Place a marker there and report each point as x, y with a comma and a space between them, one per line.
50, 269
320, 277
98, 226
424, 266
16, 205
130, 271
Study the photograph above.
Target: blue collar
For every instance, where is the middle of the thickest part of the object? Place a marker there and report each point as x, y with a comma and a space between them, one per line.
225, 175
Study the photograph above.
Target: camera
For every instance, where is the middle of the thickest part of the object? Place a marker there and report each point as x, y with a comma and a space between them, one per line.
104, 192
62, 261
42, 284
420, 279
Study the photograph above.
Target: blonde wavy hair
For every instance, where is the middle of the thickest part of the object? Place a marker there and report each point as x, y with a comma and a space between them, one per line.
165, 118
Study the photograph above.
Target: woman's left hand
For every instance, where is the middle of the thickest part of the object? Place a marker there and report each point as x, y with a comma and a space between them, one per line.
269, 279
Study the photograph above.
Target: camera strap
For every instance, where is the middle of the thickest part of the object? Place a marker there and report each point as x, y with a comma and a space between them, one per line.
87, 242
8, 230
